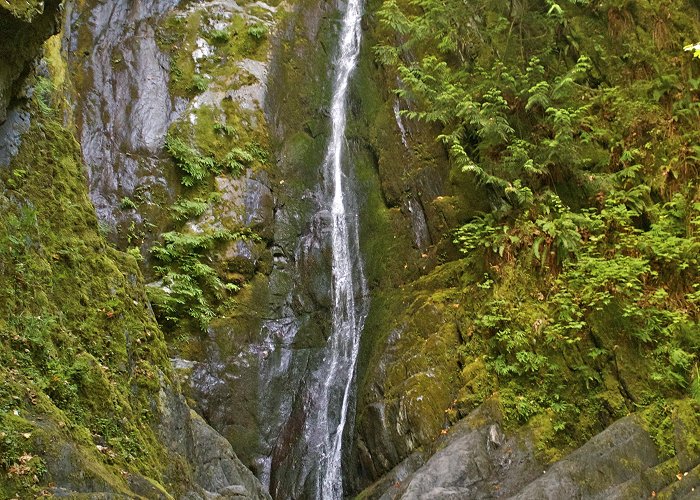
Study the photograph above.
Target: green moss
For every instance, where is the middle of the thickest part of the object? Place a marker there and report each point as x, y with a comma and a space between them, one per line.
234, 39
80, 345
686, 425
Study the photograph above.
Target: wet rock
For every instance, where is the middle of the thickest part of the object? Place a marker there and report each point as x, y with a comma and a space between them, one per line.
124, 109
202, 462
251, 96
215, 468
687, 487
389, 485
11, 131
256, 366
245, 201
419, 224
478, 460
410, 384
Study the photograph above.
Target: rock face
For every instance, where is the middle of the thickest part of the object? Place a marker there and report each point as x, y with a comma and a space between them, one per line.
93, 400
477, 459
216, 469
247, 374
260, 356
619, 453
123, 107
203, 465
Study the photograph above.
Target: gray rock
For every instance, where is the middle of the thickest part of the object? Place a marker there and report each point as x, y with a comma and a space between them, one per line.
125, 109
216, 471
477, 461
612, 457
11, 131
245, 201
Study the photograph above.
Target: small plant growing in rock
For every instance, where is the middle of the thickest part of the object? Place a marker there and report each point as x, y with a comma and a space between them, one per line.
185, 209
127, 203
42, 94
135, 252
257, 31
193, 164
198, 84
220, 37
237, 160
188, 284
225, 129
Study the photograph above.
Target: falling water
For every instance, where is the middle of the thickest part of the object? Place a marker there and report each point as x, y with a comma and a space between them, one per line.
348, 276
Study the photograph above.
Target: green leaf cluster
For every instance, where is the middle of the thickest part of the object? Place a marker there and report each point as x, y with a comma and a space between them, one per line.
187, 283
578, 120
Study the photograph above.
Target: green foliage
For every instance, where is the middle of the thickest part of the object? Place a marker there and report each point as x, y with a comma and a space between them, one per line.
219, 36
187, 283
695, 383
220, 139
43, 92
237, 160
22, 469
257, 31
127, 203
68, 301
198, 84
197, 165
184, 209
224, 129
581, 132
194, 166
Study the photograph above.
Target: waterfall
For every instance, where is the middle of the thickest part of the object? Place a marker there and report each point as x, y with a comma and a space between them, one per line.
347, 273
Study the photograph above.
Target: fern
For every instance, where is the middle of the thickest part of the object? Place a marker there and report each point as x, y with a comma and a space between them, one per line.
237, 160
188, 283
194, 166
694, 387
186, 209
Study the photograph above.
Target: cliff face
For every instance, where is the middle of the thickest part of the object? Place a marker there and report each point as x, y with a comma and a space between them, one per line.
164, 248
478, 323
89, 402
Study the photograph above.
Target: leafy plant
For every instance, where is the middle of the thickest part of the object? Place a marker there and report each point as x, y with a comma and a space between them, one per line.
127, 203
198, 84
225, 129
237, 160
187, 282
43, 92
194, 166
186, 209
220, 36
257, 31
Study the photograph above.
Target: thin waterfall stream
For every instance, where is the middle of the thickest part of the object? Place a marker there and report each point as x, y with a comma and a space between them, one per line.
349, 283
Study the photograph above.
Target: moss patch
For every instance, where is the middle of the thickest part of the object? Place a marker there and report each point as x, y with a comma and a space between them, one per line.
78, 343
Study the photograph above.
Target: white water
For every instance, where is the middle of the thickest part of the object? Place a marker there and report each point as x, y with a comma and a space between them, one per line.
348, 276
